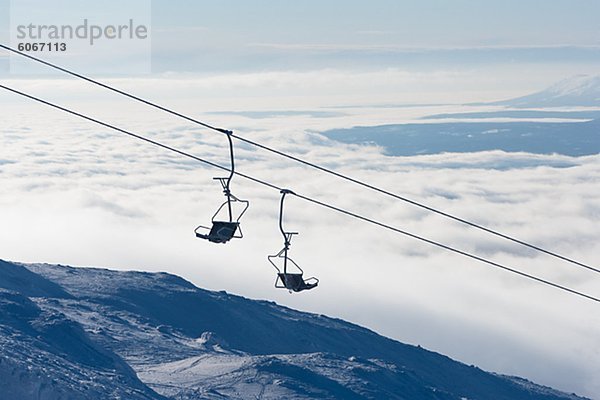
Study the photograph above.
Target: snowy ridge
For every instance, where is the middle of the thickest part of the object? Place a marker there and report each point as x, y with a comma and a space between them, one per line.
576, 91
578, 85
94, 333
48, 356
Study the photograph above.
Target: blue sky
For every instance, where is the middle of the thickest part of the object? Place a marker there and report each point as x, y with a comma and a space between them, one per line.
233, 35
211, 37
436, 23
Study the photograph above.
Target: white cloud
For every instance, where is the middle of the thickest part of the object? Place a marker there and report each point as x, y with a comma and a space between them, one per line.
411, 49
292, 89
74, 193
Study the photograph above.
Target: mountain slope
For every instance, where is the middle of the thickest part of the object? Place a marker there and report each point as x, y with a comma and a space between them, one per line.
99, 326
46, 355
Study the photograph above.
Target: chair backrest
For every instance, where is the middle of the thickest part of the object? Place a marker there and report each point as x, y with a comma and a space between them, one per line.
293, 282
222, 231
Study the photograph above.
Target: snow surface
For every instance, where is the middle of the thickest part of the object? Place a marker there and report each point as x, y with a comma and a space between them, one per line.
578, 90
83, 333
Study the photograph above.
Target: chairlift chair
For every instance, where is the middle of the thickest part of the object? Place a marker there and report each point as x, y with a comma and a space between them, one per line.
292, 281
225, 228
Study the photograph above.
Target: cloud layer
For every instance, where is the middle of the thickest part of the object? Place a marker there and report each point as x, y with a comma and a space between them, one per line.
79, 194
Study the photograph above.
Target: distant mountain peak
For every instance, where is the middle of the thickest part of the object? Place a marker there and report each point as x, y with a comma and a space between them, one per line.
576, 91
577, 85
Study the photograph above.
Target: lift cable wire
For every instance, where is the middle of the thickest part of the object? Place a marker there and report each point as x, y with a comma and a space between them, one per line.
310, 164
310, 199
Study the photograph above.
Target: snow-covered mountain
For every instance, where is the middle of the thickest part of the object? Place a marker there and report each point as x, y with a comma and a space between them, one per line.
579, 90
82, 333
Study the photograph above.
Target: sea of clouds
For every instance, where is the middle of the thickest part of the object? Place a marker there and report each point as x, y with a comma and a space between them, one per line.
77, 193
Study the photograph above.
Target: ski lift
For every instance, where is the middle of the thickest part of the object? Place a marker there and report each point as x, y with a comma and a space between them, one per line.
292, 281
225, 227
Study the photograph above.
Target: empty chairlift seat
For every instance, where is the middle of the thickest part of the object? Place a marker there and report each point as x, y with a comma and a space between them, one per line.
292, 281
225, 223
295, 282
221, 232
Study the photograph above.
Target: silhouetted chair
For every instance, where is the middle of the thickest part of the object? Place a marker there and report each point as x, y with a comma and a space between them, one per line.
295, 282
221, 232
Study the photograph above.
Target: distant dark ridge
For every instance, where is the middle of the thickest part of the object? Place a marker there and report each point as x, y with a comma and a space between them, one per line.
519, 114
571, 139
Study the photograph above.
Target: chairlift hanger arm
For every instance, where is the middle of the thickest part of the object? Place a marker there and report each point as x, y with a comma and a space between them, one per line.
287, 236
232, 157
231, 173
